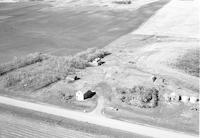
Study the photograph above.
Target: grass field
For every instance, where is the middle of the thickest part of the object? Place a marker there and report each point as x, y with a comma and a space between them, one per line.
189, 62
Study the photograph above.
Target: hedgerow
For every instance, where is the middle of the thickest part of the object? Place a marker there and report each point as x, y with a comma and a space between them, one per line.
21, 62
50, 70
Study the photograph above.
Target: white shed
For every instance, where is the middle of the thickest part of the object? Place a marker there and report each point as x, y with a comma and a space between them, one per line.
193, 99
185, 99
80, 96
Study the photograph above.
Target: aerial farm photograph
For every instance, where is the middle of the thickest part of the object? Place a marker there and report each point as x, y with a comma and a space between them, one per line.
99, 68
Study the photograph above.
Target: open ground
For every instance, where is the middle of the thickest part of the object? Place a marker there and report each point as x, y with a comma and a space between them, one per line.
148, 75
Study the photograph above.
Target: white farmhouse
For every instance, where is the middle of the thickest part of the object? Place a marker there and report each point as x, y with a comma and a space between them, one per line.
79, 96
82, 95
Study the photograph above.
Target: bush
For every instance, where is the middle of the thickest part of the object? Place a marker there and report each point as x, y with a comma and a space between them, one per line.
11, 80
123, 2
66, 95
139, 96
78, 63
92, 53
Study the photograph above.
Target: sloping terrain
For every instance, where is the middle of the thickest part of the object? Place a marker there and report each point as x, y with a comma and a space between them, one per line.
130, 67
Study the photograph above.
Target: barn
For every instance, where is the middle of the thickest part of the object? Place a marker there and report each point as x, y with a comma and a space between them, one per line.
82, 95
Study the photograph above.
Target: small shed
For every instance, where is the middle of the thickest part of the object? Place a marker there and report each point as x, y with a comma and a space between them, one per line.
185, 99
193, 100
167, 97
175, 97
81, 95
72, 78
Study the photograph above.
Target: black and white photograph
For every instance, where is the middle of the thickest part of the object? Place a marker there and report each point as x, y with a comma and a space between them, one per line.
99, 68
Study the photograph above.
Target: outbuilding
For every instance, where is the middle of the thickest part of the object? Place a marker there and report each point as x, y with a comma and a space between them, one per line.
193, 99
167, 97
82, 95
175, 97
79, 96
185, 99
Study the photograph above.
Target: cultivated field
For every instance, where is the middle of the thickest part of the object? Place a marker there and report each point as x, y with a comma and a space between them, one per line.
29, 27
17, 122
148, 76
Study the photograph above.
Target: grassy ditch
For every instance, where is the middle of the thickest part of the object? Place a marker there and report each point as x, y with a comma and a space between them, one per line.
49, 71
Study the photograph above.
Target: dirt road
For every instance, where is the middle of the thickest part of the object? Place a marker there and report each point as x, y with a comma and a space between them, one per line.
98, 120
98, 110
